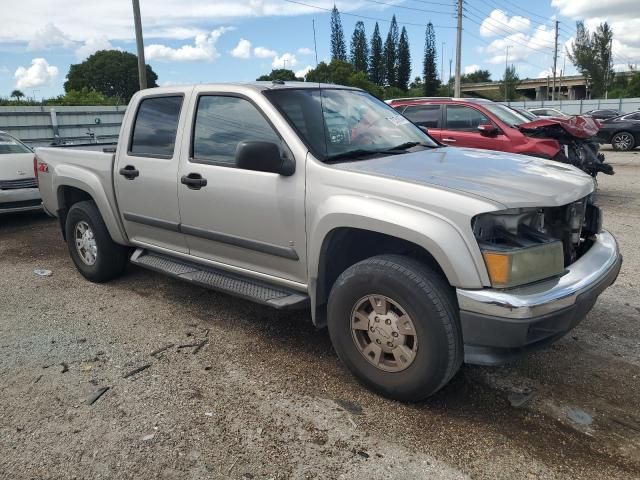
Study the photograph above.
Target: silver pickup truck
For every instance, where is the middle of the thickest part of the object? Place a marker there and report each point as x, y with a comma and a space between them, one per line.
416, 256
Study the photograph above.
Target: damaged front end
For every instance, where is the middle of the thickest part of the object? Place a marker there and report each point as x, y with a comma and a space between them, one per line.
576, 136
525, 245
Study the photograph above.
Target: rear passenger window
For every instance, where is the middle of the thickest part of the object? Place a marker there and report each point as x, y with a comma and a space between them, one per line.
155, 128
427, 116
464, 118
222, 123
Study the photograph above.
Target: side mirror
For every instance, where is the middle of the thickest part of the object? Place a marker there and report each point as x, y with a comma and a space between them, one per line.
488, 129
263, 157
424, 129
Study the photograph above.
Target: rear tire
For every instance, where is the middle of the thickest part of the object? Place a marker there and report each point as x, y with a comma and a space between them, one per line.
623, 141
96, 256
400, 360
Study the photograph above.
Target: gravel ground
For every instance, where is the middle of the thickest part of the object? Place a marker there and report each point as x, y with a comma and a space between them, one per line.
265, 396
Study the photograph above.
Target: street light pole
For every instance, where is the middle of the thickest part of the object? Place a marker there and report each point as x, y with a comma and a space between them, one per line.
458, 51
142, 69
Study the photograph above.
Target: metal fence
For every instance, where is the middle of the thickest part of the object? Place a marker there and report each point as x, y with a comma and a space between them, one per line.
576, 107
43, 125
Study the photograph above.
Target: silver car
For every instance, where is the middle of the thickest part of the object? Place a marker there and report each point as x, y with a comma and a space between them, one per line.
18, 186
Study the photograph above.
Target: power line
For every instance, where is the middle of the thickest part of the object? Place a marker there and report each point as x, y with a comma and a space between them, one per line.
422, 25
393, 5
491, 29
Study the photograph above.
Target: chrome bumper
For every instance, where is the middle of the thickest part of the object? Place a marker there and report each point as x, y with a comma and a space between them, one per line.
592, 271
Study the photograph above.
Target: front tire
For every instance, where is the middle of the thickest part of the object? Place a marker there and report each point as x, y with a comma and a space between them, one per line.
623, 141
96, 256
393, 322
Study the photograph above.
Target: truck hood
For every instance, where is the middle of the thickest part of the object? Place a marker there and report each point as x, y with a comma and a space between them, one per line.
509, 179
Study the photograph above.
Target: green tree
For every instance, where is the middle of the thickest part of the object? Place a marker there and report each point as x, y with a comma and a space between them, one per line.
376, 61
391, 54
342, 73
510, 82
430, 66
17, 94
283, 74
338, 48
110, 72
404, 61
359, 49
591, 55
476, 77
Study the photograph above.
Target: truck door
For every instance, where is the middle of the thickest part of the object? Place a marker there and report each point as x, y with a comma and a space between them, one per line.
146, 173
241, 218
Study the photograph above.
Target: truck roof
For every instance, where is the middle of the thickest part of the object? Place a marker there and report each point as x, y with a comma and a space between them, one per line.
256, 86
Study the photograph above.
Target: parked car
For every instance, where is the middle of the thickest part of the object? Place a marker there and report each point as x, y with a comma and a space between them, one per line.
623, 133
18, 188
525, 113
479, 123
415, 256
548, 112
603, 114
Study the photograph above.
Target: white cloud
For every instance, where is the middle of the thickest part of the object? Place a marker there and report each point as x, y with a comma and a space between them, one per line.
286, 60
92, 45
262, 52
498, 23
49, 36
305, 51
521, 46
621, 9
471, 68
303, 73
203, 49
242, 50
38, 74
547, 73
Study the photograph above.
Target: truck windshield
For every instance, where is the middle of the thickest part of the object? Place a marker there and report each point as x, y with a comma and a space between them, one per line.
340, 124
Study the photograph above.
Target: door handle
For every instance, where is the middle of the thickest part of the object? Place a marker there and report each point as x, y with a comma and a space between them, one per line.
194, 181
452, 140
129, 172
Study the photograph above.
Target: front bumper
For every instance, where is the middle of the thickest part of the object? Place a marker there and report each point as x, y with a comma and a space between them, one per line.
498, 325
20, 200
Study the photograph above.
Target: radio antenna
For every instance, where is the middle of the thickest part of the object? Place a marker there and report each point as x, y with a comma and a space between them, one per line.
324, 126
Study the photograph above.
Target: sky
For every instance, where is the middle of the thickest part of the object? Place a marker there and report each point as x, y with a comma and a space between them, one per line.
204, 41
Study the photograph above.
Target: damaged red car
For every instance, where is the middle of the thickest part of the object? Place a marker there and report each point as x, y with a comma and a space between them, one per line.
478, 123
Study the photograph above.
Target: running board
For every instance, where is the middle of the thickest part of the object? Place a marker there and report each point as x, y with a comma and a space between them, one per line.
220, 280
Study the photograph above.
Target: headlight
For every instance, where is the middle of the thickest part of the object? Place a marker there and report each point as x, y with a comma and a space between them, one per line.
517, 266
516, 248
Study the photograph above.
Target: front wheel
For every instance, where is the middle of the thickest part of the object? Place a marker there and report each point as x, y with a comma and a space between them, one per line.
623, 141
96, 256
394, 324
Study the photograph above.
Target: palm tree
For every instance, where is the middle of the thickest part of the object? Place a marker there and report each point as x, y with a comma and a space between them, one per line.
17, 94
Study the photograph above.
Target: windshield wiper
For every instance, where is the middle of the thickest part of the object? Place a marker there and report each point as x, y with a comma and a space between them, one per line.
360, 153
407, 145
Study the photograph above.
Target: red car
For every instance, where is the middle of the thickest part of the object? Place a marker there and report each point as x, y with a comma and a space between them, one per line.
479, 123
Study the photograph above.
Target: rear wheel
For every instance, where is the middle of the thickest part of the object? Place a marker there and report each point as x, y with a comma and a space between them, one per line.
96, 256
623, 141
394, 324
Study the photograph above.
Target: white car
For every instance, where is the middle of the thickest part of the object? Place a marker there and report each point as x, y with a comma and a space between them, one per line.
548, 112
18, 187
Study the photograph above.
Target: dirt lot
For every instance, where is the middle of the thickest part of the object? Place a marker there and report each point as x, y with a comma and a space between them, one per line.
266, 397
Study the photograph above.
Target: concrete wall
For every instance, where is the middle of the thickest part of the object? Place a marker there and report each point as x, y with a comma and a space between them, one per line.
36, 125
575, 107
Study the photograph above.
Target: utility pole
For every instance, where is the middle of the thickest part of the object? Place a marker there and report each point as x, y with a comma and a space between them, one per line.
607, 72
142, 69
506, 67
449, 80
458, 50
555, 61
442, 62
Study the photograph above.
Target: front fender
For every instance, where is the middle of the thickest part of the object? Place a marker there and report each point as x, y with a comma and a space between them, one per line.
72, 176
460, 261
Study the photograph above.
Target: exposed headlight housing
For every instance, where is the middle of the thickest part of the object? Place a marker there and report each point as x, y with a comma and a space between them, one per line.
515, 248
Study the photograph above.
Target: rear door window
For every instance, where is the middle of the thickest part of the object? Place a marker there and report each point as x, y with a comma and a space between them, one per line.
427, 116
464, 118
155, 127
